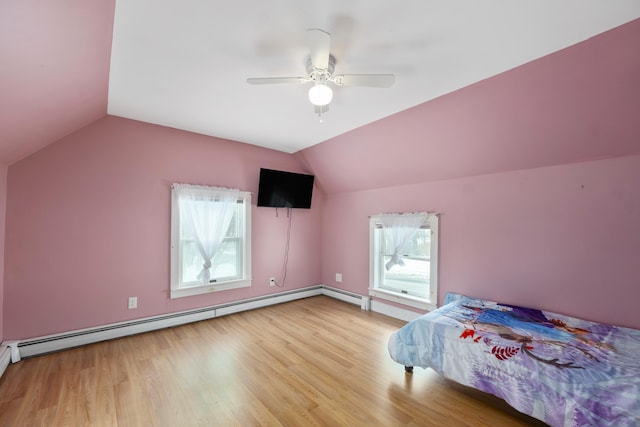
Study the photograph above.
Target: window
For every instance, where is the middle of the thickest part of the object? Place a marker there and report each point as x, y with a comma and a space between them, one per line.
210, 239
404, 263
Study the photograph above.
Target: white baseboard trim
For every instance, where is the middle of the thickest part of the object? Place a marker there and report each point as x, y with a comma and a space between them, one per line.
63, 341
366, 303
393, 311
346, 296
268, 300
5, 358
57, 342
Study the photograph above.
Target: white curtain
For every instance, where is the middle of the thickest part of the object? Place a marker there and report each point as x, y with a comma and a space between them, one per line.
398, 229
207, 212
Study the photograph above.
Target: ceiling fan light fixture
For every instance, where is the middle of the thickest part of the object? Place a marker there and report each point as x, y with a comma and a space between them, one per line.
320, 94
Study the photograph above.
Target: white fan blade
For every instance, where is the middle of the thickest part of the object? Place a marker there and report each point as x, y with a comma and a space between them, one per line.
319, 45
276, 80
371, 80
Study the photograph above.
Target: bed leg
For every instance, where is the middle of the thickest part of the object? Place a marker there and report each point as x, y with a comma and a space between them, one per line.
408, 369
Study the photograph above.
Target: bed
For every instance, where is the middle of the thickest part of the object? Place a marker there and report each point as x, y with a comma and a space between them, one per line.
561, 370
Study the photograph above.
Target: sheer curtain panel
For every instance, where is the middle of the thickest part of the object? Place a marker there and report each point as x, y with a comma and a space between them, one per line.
398, 229
207, 213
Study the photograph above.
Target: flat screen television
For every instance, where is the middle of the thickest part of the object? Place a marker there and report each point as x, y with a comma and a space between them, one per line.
280, 189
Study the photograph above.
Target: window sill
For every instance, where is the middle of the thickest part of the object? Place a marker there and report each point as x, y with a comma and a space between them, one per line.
407, 300
205, 289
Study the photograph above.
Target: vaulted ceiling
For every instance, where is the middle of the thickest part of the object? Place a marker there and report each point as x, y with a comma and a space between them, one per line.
67, 63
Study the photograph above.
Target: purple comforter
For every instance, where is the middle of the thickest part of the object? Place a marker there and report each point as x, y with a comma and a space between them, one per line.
561, 370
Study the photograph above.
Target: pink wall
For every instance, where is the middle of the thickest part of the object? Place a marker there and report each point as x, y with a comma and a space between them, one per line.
3, 205
87, 218
562, 238
531, 223
88, 225
581, 103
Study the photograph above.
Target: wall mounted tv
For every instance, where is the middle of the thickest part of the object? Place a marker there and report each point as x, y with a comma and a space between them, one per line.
280, 189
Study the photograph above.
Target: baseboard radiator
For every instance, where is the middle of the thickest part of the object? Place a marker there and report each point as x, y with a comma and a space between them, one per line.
57, 342
363, 301
5, 358
13, 351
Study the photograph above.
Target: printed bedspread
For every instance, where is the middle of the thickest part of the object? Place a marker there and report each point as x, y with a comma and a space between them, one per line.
558, 369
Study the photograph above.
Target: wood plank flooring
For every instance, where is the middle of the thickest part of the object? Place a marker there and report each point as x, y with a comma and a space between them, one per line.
311, 362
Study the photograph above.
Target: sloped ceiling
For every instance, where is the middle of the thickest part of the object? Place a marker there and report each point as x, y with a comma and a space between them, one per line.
66, 63
578, 104
54, 70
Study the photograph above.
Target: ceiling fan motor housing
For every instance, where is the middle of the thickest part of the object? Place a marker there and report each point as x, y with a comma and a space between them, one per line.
320, 75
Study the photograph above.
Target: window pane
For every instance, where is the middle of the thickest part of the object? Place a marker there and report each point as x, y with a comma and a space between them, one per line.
191, 261
226, 262
418, 247
234, 226
230, 265
412, 278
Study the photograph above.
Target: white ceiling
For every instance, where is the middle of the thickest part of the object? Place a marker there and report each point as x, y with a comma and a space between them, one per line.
184, 64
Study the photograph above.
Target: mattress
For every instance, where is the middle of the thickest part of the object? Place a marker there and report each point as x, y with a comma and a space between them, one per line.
559, 369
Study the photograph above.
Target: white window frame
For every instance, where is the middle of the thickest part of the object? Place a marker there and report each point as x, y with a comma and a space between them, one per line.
179, 289
376, 264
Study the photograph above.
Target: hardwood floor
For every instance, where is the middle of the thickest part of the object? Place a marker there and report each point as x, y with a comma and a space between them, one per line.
311, 362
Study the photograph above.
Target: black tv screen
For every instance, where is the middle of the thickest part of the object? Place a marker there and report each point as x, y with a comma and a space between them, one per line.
280, 189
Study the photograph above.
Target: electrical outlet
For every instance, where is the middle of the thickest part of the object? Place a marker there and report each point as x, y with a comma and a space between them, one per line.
133, 302
272, 281
338, 277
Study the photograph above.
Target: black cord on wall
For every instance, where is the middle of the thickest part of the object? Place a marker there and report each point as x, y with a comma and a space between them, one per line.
285, 260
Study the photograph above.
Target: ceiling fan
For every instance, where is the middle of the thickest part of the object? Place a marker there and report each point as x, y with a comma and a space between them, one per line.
320, 65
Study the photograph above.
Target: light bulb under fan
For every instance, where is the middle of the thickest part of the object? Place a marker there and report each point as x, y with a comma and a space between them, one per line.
320, 94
